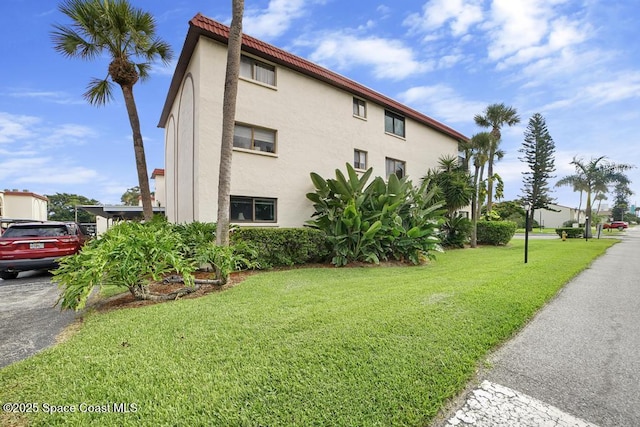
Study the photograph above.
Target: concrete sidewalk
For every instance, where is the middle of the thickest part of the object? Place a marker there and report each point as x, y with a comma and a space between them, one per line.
578, 362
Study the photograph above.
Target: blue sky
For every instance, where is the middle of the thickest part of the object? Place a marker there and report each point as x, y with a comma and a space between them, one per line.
575, 62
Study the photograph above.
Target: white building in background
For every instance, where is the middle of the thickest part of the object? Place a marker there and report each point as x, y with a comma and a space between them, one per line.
293, 117
23, 205
558, 216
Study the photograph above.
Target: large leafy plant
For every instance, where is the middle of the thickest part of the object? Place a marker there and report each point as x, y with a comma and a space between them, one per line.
375, 222
131, 255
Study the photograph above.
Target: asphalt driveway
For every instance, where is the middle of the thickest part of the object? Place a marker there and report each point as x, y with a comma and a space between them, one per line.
29, 322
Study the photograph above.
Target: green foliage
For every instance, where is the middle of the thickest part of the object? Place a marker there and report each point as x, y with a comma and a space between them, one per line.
225, 259
456, 232
131, 197
194, 235
378, 221
129, 254
62, 207
277, 247
538, 151
572, 233
496, 232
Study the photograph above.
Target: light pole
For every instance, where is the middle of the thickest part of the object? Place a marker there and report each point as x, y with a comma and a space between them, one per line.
527, 209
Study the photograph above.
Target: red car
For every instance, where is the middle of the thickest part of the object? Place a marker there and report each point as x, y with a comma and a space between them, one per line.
620, 225
37, 245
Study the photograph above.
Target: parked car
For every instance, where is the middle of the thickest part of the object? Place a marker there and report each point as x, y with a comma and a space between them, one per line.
37, 246
620, 225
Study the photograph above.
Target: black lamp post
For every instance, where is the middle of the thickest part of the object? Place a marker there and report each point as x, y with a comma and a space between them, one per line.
527, 209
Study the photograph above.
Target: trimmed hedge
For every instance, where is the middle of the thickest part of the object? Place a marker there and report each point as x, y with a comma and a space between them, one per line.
572, 232
495, 232
283, 247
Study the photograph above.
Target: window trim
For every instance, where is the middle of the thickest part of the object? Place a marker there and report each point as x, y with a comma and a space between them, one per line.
357, 101
254, 61
395, 161
252, 149
366, 159
394, 117
253, 210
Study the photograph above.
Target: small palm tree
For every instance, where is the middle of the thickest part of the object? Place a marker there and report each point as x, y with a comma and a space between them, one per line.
594, 177
126, 35
495, 117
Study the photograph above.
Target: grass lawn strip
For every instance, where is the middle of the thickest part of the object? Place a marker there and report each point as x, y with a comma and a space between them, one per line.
309, 347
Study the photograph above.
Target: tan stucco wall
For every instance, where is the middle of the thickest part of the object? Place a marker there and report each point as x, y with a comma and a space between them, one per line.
24, 205
316, 132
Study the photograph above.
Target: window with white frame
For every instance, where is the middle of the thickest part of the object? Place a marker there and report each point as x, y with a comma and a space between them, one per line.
393, 123
359, 107
253, 209
257, 70
397, 167
359, 159
254, 138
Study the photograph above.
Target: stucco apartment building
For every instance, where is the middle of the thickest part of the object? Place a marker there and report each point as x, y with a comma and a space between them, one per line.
293, 117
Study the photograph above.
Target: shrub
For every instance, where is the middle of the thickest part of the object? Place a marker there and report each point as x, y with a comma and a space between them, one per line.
280, 247
129, 254
496, 232
378, 221
456, 232
571, 232
194, 235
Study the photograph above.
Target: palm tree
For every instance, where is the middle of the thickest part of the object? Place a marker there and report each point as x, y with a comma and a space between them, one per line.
228, 121
594, 177
126, 35
454, 184
478, 149
495, 117
578, 184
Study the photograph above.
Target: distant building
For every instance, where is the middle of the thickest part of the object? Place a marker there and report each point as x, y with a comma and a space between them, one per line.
23, 205
559, 214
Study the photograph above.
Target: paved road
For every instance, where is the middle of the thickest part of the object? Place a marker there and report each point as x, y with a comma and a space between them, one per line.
578, 362
28, 320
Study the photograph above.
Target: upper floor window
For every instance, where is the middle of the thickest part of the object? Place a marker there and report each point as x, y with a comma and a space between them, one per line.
256, 70
359, 108
397, 167
252, 138
253, 209
393, 123
359, 159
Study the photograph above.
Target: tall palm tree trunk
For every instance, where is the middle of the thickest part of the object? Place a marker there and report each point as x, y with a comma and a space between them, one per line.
490, 182
138, 148
228, 122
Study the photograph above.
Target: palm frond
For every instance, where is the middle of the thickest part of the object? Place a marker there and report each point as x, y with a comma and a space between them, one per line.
99, 92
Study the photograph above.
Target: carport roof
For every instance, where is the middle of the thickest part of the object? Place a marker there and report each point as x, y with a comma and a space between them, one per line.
119, 212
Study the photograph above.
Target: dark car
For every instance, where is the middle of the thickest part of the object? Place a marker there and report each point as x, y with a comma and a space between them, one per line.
620, 225
37, 246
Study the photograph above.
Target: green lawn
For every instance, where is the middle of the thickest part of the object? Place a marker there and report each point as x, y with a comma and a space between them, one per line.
383, 346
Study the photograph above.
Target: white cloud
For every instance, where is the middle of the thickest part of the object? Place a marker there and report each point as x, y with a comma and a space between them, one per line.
460, 15
16, 127
390, 59
442, 102
522, 31
48, 96
273, 21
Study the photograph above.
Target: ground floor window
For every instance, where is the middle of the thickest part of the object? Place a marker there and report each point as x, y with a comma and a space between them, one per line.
253, 209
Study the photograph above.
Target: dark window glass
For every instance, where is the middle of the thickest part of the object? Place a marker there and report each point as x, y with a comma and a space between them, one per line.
393, 123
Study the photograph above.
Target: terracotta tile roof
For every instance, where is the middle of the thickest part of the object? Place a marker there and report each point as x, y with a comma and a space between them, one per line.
201, 25
157, 172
